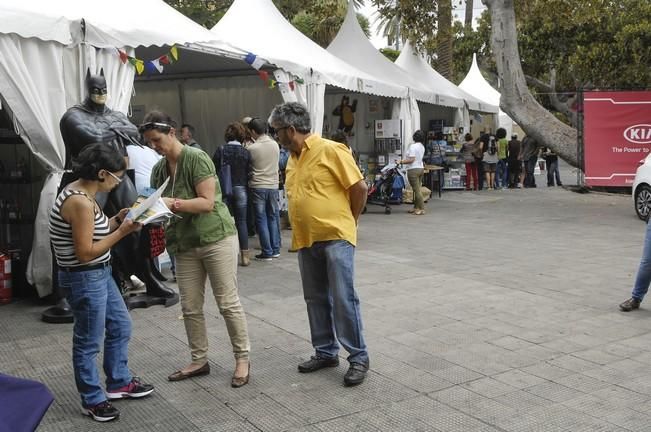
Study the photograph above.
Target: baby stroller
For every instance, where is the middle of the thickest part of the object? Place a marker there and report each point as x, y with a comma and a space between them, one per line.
387, 189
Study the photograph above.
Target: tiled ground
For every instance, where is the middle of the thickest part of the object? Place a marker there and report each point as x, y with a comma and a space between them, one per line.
494, 312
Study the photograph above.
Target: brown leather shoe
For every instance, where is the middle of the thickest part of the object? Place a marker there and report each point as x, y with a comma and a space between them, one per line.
630, 305
237, 382
180, 375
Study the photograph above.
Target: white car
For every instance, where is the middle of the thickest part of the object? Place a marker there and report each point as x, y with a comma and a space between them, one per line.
642, 188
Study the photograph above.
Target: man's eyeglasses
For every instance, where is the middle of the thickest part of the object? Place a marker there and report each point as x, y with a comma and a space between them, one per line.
163, 127
276, 130
118, 179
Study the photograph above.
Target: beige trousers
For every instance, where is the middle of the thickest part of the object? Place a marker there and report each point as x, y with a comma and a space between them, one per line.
219, 262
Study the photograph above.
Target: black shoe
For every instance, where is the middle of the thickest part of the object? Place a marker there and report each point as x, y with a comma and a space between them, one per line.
630, 305
315, 363
263, 257
135, 389
102, 412
356, 374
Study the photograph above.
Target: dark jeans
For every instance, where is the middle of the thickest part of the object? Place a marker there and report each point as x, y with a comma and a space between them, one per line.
237, 205
267, 219
480, 173
515, 167
502, 174
530, 166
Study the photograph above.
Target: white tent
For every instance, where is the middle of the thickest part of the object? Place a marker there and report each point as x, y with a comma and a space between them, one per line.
476, 84
451, 95
352, 46
256, 26
45, 49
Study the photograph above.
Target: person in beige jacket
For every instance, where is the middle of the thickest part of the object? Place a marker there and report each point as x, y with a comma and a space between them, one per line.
263, 184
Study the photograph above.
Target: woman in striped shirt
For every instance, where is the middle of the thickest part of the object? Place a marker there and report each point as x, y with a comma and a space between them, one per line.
82, 237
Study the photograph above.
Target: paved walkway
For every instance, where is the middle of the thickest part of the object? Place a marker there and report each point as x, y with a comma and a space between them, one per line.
496, 311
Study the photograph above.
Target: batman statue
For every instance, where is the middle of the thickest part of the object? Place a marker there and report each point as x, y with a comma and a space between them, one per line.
93, 122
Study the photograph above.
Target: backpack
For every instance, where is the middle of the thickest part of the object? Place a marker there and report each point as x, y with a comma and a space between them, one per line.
492, 147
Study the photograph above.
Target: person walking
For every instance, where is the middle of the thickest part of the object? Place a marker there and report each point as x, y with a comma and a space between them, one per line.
82, 237
239, 160
327, 194
263, 182
643, 278
415, 170
204, 241
467, 152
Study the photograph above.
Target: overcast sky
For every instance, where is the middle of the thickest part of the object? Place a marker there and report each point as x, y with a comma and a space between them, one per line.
380, 42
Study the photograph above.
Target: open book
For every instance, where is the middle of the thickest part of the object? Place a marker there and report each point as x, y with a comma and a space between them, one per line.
149, 207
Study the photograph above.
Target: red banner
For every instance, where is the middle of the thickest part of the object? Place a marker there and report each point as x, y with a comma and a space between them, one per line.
616, 134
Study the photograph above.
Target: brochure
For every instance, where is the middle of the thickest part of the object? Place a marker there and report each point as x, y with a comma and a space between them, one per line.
149, 207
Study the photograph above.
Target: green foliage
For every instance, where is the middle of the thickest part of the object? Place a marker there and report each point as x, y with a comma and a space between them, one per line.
390, 53
468, 42
600, 43
204, 12
413, 20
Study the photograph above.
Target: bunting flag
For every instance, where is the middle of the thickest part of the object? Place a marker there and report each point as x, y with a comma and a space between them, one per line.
151, 66
264, 75
254, 61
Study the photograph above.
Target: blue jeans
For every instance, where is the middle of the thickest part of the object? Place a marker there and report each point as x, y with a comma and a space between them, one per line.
553, 174
643, 278
502, 174
100, 316
237, 205
267, 219
327, 271
530, 167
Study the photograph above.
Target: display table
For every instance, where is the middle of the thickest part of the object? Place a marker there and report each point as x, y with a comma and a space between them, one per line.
434, 174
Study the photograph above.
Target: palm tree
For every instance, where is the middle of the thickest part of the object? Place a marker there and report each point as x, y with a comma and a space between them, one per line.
444, 39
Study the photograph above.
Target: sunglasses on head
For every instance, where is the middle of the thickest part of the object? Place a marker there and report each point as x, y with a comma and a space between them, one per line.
162, 127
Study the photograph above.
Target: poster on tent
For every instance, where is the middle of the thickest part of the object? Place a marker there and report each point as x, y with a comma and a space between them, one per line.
617, 135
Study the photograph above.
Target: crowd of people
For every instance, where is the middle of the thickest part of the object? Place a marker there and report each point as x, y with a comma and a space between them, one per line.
325, 193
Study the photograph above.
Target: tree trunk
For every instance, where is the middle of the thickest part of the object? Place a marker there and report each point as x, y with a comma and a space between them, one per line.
469, 11
444, 39
516, 99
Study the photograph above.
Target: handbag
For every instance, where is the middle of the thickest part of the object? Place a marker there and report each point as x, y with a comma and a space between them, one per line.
152, 240
224, 175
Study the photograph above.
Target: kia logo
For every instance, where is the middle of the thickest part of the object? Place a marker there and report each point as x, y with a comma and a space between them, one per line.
638, 134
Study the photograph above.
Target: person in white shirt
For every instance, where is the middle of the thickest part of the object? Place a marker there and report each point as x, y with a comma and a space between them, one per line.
415, 167
142, 159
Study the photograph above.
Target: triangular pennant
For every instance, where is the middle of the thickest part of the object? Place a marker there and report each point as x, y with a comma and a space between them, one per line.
132, 61
157, 65
299, 80
272, 83
291, 85
164, 60
249, 58
264, 75
140, 66
124, 58
150, 67
175, 53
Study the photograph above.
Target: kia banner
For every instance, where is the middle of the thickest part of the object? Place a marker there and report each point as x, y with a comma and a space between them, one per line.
616, 135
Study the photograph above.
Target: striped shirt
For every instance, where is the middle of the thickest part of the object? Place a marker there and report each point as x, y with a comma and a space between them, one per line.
61, 233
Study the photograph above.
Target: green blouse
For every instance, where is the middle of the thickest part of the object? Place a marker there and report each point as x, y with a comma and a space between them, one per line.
192, 230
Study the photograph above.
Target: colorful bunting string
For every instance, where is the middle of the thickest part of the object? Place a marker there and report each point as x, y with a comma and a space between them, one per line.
150, 66
256, 63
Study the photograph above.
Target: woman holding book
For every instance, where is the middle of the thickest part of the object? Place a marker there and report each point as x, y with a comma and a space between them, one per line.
82, 237
204, 241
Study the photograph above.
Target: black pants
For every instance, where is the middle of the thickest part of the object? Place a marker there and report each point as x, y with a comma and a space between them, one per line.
514, 172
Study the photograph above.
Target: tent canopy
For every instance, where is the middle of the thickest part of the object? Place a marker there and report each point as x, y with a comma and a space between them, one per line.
450, 94
118, 23
256, 26
475, 83
352, 46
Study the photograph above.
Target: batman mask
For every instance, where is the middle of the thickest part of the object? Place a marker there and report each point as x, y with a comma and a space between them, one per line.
96, 87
